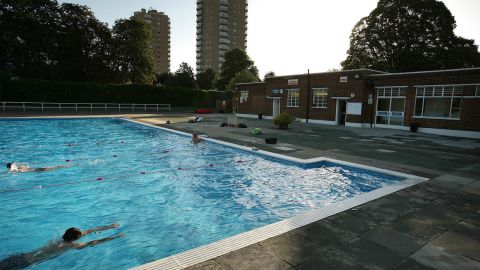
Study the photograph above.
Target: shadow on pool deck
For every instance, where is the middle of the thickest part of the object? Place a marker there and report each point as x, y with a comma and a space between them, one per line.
433, 225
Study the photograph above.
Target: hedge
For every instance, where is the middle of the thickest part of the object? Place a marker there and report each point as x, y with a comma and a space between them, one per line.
33, 90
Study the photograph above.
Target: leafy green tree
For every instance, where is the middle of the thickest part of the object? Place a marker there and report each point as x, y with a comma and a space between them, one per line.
206, 79
269, 74
184, 76
236, 60
84, 52
133, 53
409, 35
28, 39
243, 76
165, 79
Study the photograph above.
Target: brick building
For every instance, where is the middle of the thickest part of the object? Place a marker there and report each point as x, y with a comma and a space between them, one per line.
445, 102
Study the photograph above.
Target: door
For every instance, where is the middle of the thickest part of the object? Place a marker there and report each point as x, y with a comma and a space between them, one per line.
276, 107
341, 111
390, 108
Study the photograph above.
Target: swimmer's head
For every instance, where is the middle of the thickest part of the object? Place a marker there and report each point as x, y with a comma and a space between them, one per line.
72, 234
12, 167
195, 134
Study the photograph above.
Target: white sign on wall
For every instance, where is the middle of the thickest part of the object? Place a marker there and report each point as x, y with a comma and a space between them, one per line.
293, 82
354, 108
344, 79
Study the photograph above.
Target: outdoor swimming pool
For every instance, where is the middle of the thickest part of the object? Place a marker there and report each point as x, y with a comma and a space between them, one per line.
168, 194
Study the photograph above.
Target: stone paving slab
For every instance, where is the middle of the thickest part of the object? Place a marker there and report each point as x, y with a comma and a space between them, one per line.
348, 222
292, 248
426, 191
438, 258
323, 234
451, 181
252, 257
366, 253
473, 187
459, 241
411, 264
401, 244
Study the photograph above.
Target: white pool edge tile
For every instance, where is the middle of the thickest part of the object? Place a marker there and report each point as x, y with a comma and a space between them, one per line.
224, 246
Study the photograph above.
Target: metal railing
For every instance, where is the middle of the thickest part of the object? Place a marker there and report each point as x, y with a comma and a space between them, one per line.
44, 106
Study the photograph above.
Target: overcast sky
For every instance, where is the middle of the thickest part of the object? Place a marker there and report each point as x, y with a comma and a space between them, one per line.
284, 36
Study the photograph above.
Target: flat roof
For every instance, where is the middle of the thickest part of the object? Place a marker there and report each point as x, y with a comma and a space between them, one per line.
249, 83
328, 72
426, 71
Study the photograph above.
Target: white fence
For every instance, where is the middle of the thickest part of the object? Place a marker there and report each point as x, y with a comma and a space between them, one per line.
79, 107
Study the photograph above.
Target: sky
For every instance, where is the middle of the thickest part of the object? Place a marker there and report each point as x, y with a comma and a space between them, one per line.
284, 36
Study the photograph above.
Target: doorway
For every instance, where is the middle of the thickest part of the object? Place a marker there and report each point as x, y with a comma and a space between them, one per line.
341, 111
276, 106
390, 111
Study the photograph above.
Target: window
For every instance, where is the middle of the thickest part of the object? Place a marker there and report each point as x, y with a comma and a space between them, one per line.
438, 101
391, 92
477, 91
293, 97
243, 96
319, 97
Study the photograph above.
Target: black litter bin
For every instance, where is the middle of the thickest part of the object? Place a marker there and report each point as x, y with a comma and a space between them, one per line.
271, 140
260, 115
414, 127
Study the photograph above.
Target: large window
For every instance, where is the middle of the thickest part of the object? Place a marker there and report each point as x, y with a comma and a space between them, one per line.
477, 91
293, 98
320, 97
243, 96
438, 101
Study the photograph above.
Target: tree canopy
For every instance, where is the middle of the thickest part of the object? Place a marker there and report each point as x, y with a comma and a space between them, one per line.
409, 35
184, 76
41, 39
269, 75
206, 79
243, 76
133, 53
236, 61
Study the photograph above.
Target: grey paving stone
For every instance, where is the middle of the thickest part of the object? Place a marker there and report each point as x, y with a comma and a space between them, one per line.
473, 219
425, 223
347, 222
207, 265
467, 201
365, 253
411, 264
462, 239
323, 234
328, 261
451, 181
292, 248
438, 258
400, 243
383, 211
473, 187
425, 191
251, 257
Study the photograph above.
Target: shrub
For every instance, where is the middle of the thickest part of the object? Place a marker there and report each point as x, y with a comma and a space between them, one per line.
282, 119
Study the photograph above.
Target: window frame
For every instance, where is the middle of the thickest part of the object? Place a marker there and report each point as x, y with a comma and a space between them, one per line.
290, 98
435, 93
243, 98
320, 101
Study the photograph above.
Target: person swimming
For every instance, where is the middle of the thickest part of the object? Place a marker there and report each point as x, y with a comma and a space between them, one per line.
56, 247
13, 167
195, 138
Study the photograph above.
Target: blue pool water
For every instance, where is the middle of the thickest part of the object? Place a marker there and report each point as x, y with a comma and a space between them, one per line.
168, 194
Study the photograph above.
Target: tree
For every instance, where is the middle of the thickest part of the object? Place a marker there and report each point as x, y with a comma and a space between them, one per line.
269, 74
236, 60
133, 53
84, 52
244, 76
28, 39
165, 79
206, 79
409, 35
184, 76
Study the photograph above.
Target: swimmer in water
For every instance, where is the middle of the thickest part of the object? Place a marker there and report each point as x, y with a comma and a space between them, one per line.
195, 138
56, 247
12, 167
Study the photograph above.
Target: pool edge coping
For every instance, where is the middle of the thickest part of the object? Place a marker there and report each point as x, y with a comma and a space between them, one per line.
212, 250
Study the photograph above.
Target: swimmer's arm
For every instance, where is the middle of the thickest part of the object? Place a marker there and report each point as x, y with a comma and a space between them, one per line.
96, 242
101, 228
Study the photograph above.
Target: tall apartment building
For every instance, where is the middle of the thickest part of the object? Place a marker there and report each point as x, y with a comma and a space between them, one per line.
160, 26
221, 26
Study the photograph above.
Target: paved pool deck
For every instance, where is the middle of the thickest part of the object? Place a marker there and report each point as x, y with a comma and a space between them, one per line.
433, 225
